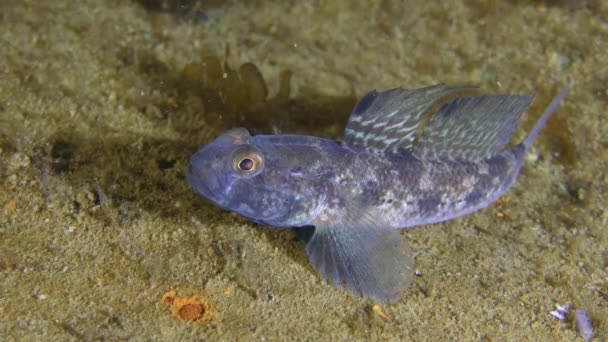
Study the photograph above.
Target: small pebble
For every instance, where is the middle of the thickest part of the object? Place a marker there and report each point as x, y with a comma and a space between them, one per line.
583, 323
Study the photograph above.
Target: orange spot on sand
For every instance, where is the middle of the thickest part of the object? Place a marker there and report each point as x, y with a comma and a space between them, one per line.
10, 206
504, 200
191, 309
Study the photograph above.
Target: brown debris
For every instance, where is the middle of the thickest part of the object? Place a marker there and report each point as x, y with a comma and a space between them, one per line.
377, 309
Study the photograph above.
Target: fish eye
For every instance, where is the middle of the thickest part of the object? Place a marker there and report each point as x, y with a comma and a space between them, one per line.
246, 164
247, 161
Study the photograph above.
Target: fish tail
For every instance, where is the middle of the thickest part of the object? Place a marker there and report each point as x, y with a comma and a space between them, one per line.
545, 117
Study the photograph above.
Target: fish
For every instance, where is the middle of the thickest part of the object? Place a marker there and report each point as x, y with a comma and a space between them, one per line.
399, 165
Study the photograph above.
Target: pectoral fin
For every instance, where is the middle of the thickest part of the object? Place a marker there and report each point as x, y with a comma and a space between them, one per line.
367, 259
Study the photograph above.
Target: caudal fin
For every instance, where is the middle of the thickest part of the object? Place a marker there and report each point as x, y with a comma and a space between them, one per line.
545, 117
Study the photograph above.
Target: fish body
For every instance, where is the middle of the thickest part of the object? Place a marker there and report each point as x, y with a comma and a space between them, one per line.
391, 171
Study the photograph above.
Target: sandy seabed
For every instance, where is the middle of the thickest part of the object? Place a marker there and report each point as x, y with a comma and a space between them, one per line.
97, 122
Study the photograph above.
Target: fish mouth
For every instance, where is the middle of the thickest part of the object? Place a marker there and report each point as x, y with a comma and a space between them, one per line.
208, 186
196, 183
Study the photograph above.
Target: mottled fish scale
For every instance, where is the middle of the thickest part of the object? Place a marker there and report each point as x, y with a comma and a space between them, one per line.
440, 191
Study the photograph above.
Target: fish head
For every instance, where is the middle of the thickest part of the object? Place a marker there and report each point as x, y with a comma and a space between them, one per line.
253, 177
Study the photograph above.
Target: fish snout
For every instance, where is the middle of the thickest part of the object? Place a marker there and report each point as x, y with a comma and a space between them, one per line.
205, 179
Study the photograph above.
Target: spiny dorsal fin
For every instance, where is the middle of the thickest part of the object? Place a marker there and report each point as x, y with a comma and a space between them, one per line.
387, 121
471, 128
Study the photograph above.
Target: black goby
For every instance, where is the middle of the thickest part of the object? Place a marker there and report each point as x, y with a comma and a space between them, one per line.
394, 170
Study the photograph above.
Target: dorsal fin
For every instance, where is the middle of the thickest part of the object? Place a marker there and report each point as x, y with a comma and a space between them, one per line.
387, 121
471, 128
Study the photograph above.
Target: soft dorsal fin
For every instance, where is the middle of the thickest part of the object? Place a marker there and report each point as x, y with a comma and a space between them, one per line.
471, 128
387, 121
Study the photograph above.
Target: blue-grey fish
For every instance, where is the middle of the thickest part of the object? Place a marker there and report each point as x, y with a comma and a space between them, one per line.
397, 167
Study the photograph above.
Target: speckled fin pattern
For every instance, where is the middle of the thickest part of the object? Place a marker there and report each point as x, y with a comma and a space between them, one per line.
472, 128
388, 120
469, 128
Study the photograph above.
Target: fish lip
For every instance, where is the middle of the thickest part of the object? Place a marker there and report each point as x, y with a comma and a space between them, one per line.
195, 182
212, 193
